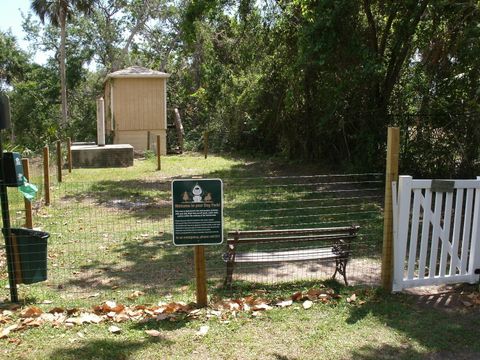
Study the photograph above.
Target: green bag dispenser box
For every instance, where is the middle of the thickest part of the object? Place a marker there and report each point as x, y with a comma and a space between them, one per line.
31, 248
13, 169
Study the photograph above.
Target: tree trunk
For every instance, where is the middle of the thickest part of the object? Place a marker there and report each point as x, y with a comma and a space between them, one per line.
63, 73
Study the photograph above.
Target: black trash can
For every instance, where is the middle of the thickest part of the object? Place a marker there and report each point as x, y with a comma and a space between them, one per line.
32, 252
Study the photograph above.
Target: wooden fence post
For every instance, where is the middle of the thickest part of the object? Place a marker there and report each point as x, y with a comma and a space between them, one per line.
159, 152
59, 161
205, 143
200, 275
148, 140
69, 154
28, 204
46, 175
393, 149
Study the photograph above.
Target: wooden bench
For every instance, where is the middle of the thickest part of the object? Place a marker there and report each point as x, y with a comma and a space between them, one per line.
324, 244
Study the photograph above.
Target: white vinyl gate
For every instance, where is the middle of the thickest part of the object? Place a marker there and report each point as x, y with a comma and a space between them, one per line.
436, 232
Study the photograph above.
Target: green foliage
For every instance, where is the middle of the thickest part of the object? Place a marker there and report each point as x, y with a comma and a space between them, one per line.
304, 79
323, 79
13, 61
35, 108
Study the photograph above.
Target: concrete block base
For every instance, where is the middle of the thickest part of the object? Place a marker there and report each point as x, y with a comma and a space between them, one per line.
108, 156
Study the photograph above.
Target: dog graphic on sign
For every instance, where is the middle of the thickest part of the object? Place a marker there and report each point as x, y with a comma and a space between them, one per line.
197, 194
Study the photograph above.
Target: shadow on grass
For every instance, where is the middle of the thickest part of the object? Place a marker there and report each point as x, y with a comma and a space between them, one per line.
250, 203
139, 198
407, 352
105, 349
155, 263
451, 333
372, 352
272, 291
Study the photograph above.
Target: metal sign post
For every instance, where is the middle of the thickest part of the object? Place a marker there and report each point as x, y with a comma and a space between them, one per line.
5, 124
197, 208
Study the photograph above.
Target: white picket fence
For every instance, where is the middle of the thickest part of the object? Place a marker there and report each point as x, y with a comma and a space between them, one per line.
436, 232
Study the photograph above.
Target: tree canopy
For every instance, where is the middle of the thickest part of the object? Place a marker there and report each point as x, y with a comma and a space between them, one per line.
316, 80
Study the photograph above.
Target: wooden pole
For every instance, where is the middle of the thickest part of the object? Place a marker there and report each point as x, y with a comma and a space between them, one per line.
100, 122
46, 175
200, 275
28, 204
59, 161
205, 143
393, 149
159, 153
9, 250
148, 140
179, 128
69, 154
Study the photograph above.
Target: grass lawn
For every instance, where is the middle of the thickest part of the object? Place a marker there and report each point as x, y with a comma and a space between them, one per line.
111, 228
375, 326
111, 236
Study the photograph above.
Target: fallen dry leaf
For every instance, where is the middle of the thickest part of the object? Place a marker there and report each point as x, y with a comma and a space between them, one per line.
161, 317
284, 303
121, 318
5, 332
57, 310
215, 313
72, 321
154, 333
194, 312
352, 298
114, 329
297, 296
47, 317
307, 304
261, 307
136, 294
90, 318
313, 294
203, 330
31, 322
15, 341
110, 304
31, 311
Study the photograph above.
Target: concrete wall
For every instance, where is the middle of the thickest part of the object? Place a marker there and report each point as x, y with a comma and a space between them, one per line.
138, 139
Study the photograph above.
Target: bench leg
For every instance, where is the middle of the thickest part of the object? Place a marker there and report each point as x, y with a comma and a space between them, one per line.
228, 278
341, 268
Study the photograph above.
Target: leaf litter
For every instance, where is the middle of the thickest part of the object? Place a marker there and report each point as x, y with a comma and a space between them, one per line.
114, 313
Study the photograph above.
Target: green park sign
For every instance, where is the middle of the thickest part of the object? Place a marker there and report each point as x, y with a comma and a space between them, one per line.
197, 208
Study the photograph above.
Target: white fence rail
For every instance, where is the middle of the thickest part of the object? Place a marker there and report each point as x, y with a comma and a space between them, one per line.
436, 232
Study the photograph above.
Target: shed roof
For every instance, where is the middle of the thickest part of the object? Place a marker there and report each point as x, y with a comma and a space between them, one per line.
138, 72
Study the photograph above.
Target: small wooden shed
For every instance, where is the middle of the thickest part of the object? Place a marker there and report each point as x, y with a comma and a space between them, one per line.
136, 105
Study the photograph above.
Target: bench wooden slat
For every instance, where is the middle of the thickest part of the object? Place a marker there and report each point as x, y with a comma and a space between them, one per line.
343, 229
281, 256
336, 246
291, 239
